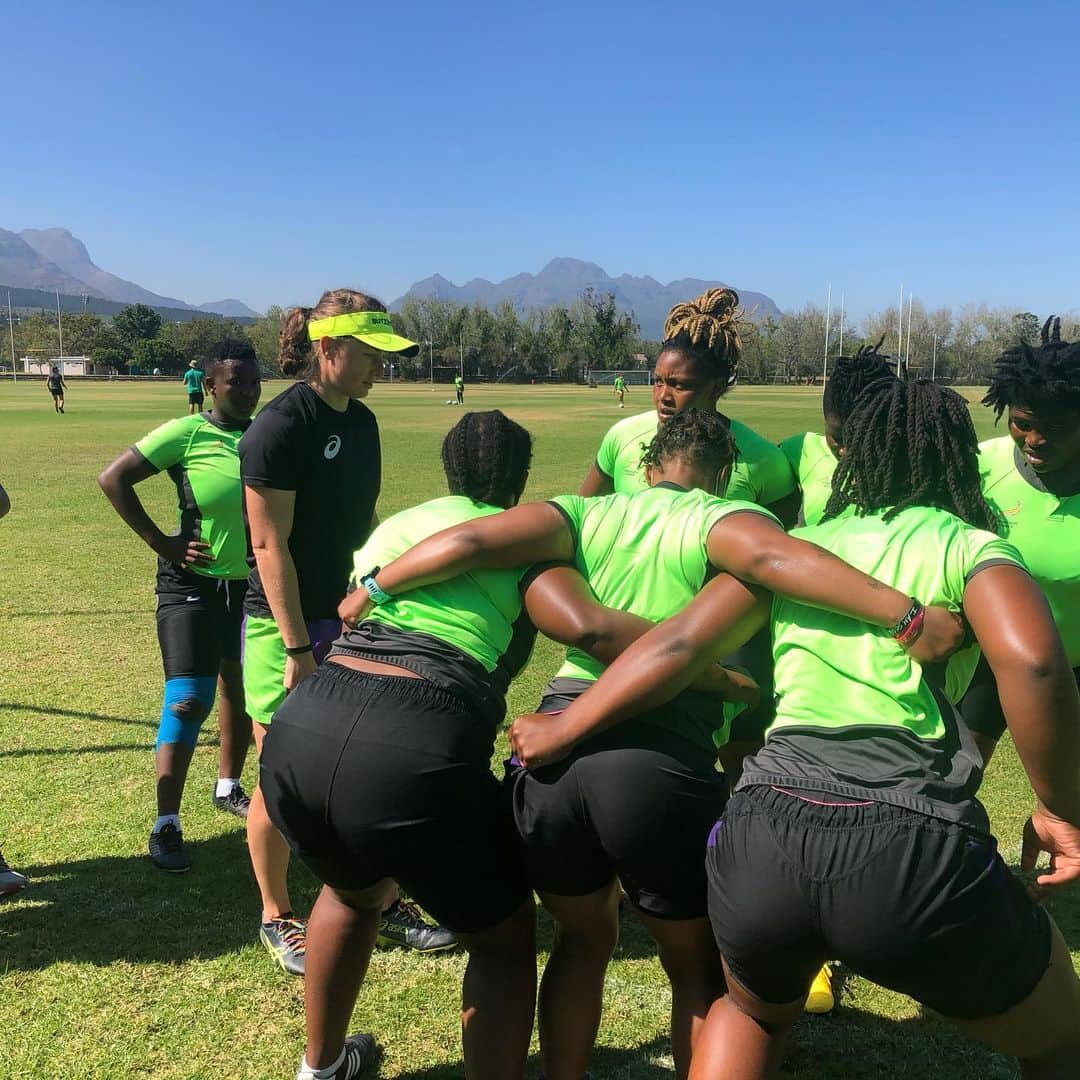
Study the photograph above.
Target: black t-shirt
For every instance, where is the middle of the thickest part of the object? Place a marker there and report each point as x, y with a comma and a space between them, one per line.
332, 460
55, 384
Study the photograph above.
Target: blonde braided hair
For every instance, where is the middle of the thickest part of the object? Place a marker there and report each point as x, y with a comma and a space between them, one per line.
712, 323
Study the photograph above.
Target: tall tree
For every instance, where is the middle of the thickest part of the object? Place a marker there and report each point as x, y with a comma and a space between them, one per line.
137, 322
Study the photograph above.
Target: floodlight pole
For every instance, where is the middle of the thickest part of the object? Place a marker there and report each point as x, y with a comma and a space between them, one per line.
828, 319
431, 362
59, 327
461, 354
11, 334
900, 320
933, 365
840, 351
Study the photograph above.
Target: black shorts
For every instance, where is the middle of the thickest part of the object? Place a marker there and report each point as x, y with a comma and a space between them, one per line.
980, 707
370, 777
636, 803
915, 904
198, 620
57, 393
195, 399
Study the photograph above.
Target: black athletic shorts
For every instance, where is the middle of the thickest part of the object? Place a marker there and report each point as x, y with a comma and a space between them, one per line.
913, 903
980, 707
195, 399
371, 776
636, 803
198, 620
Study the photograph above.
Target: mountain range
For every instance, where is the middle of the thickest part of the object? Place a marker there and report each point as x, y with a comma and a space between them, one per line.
51, 259
563, 281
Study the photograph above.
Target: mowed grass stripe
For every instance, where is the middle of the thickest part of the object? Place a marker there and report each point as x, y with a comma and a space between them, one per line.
109, 968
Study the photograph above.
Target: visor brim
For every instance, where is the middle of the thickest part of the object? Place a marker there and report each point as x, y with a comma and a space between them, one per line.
389, 343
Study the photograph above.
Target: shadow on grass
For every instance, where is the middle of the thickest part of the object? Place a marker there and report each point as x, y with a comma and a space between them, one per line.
631, 1063
70, 614
74, 714
121, 908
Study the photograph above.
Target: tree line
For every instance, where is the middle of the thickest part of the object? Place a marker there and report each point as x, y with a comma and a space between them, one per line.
559, 342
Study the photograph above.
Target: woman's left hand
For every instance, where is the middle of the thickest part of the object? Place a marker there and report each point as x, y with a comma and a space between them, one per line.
354, 608
539, 739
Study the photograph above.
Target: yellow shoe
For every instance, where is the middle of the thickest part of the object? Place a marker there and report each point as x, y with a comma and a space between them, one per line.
820, 999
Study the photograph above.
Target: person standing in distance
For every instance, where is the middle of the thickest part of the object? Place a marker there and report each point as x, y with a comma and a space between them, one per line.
620, 390
193, 380
459, 389
311, 465
57, 386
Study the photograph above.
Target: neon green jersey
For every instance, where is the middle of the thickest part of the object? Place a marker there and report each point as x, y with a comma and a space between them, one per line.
813, 464
474, 612
619, 384
855, 714
1044, 528
459, 382
202, 460
643, 553
761, 475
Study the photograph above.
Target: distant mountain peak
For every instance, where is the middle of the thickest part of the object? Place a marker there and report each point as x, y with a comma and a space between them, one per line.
55, 258
562, 281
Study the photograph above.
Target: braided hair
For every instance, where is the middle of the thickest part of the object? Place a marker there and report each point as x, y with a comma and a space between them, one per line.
693, 436
1046, 378
486, 457
850, 376
707, 331
910, 444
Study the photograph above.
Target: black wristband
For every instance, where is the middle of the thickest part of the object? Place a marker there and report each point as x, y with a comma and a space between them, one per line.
912, 613
299, 650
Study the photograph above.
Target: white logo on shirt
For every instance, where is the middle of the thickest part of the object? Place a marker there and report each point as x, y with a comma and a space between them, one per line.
332, 448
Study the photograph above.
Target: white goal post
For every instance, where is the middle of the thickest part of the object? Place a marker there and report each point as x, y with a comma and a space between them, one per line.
632, 377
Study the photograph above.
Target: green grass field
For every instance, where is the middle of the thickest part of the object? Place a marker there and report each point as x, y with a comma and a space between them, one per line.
109, 968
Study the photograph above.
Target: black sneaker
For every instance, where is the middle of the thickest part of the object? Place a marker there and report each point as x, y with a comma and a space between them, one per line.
360, 1054
236, 802
11, 881
285, 939
167, 850
404, 924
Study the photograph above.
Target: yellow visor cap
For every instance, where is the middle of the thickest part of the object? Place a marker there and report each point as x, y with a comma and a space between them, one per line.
374, 328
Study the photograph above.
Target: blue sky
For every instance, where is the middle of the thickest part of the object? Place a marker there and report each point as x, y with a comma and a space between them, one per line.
269, 150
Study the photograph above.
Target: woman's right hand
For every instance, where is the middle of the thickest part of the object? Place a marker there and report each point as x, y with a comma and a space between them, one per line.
354, 607
184, 552
943, 633
297, 669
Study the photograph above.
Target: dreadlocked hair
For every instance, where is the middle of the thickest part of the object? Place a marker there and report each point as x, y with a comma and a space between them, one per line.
695, 436
850, 376
1045, 378
707, 330
486, 457
910, 444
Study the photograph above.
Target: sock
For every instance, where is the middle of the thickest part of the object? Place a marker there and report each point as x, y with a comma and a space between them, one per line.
225, 786
167, 819
308, 1073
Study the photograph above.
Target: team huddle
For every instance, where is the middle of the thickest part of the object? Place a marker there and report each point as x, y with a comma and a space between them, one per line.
786, 668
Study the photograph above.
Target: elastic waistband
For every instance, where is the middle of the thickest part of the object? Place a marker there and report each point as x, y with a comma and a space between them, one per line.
826, 810
393, 687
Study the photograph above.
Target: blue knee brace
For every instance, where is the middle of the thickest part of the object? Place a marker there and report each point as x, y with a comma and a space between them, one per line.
175, 728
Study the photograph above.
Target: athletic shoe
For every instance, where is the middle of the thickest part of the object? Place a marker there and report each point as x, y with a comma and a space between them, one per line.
285, 939
236, 802
167, 850
11, 881
821, 1000
360, 1054
404, 924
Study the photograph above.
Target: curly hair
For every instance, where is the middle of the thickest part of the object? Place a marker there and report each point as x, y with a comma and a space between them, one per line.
708, 331
910, 444
1046, 378
486, 458
694, 436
